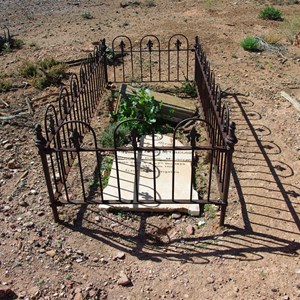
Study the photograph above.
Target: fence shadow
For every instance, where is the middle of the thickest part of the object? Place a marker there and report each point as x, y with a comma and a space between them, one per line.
246, 242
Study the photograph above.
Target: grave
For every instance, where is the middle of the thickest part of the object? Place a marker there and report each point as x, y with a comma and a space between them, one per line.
143, 180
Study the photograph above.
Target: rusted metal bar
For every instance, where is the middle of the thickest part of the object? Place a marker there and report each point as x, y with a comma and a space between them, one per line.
40, 142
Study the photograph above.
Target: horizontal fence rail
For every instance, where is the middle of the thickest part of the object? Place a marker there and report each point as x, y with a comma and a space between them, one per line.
76, 173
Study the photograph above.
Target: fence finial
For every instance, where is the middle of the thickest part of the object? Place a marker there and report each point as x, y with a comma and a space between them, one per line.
192, 136
76, 138
231, 139
40, 141
178, 44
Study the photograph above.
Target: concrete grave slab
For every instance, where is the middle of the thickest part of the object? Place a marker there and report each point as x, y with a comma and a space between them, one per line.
144, 179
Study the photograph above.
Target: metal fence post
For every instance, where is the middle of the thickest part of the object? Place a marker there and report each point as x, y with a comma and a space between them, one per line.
40, 142
104, 53
231, 140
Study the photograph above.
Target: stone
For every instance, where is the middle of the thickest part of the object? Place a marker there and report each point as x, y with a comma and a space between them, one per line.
78, 296
120, 255
12, 164
176, 216
210, 280
51, 253
28, 224
201, 222
33, 192
34, 292
8, 146
124, 280
190, 230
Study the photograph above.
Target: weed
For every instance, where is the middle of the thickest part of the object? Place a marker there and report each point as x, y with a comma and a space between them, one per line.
107, 137
291, 27
11, 44
68, 277
130, 3
271, 13
188, 88
210, 210
140, 105
32, 44
125, 24
150, 3
87, 15
5, 85
251, 44
6, 47
271, 39
43, 73
210, 4
105, 169
28, 69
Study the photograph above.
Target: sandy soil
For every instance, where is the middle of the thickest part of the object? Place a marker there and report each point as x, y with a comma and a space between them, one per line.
254, 257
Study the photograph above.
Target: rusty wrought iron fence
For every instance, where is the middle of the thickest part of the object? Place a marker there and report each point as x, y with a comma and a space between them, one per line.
72, 160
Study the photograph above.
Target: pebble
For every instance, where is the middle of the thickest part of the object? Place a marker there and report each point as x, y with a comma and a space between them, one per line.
176, 216
201, 223
8, 146
34, 292
190, 230
12, 164
28, 224
210, 280
124, 280
33, 192
51, 253
78, 296
120, 255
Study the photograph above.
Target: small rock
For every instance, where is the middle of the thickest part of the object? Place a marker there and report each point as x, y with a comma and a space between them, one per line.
34, 292
33, 192
12, 164
6, 208
120, 255
28, 224
78, 296
176, 216
190, 230
210, 280
97, 219
201, 223
8, 146
123, 280
77, 290
51, 253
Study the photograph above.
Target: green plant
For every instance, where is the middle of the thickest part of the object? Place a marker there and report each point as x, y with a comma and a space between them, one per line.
44, 72
291, 27
87, 15
210, 4
149, 3
210, 210
271, 13
188, 88
28, 69
139, 105
6, 47
105, 169
107, 137
10, 44
5, 85
251, 44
